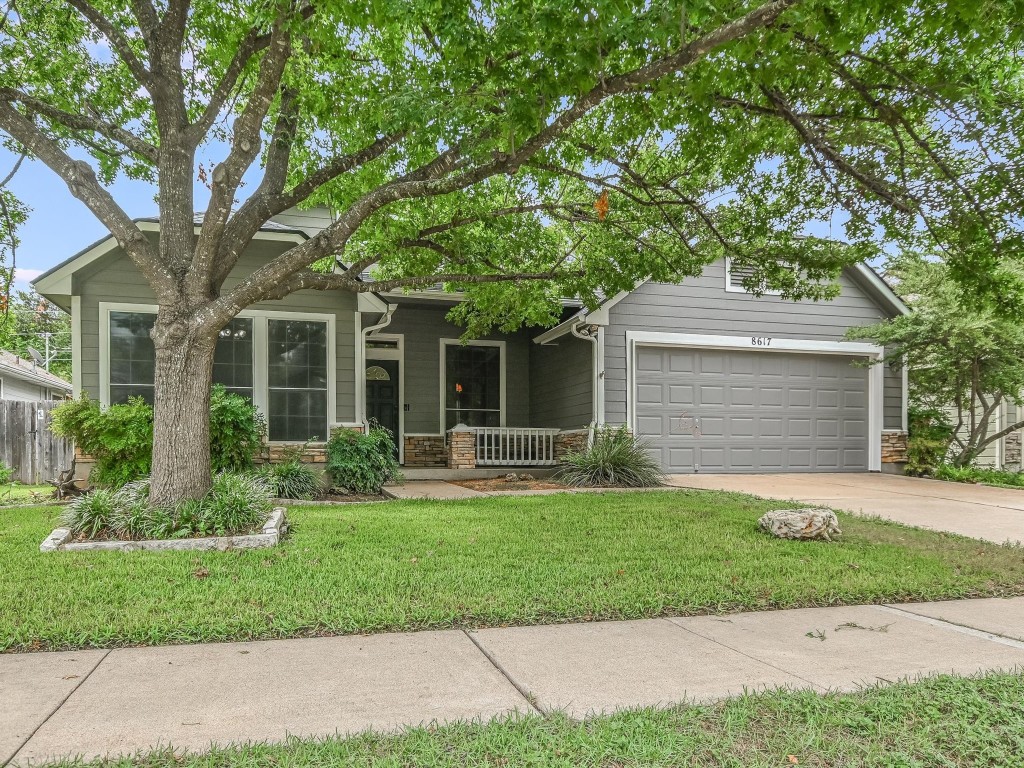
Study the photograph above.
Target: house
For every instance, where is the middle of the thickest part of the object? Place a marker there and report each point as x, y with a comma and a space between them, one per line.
717, 379
24, 380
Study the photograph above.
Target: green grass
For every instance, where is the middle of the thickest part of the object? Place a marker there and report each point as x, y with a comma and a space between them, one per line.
492, 561
942, 721
998, 477
16, 493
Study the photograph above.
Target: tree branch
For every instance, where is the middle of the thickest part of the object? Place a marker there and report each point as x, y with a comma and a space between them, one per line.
83, 184
116, 38
80, 122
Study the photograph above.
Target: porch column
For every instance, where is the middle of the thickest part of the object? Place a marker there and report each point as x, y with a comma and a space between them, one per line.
461, 447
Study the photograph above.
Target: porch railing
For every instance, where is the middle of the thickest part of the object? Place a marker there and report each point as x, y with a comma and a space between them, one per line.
514, 446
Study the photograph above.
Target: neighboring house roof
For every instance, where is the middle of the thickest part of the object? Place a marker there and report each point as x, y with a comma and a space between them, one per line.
12, 365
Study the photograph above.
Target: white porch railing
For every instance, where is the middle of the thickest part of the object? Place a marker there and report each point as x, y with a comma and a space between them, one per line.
514, 446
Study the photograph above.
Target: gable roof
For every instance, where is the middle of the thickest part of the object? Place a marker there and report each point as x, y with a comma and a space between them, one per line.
56, 281
12, 365
866, 276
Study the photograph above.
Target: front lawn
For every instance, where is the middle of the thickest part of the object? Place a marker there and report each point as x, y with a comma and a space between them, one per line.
490, 561
943, 721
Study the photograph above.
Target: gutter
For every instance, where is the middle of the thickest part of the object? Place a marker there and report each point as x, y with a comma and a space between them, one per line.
35, 378
594, 334
364, 333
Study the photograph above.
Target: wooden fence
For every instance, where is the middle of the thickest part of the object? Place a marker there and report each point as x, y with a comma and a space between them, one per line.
27, 444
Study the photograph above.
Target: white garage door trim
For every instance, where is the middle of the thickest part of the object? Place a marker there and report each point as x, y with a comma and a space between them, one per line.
767, 344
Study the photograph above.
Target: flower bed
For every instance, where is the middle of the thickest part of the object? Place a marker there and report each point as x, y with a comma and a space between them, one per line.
62, 539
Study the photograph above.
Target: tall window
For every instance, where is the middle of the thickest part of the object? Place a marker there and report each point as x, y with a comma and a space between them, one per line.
472, 385
297, 377
232, 361
132, 358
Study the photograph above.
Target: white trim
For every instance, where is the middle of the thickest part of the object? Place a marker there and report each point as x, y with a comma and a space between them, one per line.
882, 287
1, 389
905, 396
370, 302
76, 346
558, 331
501, 367
260, 383
730, 288
398, 355
873, 352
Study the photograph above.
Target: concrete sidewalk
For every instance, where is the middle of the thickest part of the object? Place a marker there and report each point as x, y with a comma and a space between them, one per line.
92, 703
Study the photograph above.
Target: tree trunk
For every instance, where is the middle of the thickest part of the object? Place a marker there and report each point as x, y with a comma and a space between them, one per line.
181, 412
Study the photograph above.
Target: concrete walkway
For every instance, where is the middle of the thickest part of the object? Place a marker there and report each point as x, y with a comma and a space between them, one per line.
92, 703
978, 511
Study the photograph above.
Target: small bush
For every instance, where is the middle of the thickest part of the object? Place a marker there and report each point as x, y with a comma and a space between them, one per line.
6, 473
616, 458
930, 432
237, 503
236, 431
120, 438
362, 462
292, 479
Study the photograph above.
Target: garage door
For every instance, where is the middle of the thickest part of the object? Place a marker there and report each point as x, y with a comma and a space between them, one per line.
736, 411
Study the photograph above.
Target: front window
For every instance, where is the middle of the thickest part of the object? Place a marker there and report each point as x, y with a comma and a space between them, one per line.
472, 385
297, 375
294, 394
132, 357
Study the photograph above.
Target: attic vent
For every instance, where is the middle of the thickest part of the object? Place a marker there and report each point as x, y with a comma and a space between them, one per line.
737, 275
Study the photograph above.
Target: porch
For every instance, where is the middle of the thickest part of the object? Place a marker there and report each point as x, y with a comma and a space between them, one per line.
485, 405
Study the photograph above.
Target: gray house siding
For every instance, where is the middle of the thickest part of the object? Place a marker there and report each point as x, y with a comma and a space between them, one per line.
423, 327
561, 383
702, 306
115, 279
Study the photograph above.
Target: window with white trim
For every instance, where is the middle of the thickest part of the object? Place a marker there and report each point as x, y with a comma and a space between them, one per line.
473, 385
292, 385
297, 378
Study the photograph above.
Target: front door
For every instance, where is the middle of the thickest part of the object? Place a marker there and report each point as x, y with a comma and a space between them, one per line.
382, 395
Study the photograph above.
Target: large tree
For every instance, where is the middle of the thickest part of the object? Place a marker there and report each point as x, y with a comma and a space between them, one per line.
471, 142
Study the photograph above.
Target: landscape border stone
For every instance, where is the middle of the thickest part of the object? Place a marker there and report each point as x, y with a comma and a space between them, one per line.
270, 536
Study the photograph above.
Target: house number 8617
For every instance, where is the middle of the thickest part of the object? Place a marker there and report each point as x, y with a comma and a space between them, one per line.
760, 341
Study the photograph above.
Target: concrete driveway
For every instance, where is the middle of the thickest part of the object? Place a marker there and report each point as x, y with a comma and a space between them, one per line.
978, 511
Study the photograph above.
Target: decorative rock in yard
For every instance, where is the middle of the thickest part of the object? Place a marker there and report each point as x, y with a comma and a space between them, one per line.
270, 536
511, 477
526, 476
801, 524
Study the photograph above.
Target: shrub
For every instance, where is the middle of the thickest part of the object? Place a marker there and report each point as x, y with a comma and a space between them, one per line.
236, 431
980, 475
616, 457
6, 473
362, 462
237, 503
930, 432
292, 479
120, 438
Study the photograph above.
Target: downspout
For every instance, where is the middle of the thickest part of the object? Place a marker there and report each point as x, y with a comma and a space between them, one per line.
592, 333
385, 321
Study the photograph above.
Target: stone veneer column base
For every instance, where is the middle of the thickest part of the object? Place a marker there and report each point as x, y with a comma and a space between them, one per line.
461, 447
894, 448
570, 441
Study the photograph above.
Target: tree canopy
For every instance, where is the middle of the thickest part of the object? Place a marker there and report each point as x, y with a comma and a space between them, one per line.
521, 151
964, 359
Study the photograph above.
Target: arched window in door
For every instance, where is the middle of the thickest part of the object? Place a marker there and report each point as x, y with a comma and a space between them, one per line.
376, 373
